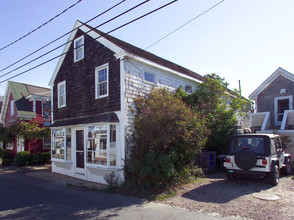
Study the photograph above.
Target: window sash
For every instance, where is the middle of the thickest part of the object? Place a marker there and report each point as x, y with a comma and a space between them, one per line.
61, 143
149, 77
12, 107
101, 81
61, 94
79, 49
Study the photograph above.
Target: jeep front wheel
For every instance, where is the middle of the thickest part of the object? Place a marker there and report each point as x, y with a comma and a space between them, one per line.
274, 176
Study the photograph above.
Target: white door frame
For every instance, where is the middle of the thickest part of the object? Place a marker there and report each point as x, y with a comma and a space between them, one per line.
276, 99
79, 172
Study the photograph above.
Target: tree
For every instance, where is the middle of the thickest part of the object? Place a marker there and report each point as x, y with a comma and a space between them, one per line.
220, 106
167, 136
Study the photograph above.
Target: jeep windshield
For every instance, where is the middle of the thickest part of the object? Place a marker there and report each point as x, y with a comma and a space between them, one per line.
257, 144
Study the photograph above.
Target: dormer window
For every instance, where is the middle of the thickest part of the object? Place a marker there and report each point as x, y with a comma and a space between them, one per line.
79, 48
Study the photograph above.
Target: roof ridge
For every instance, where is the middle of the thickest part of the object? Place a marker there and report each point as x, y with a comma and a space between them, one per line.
145, 54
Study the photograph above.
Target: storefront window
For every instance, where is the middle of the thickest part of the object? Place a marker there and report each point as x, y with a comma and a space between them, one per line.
58, 143
68, 144
101, 149
61, 143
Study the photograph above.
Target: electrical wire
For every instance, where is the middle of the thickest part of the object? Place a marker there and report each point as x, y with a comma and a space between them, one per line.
61, 37
136, 19
24, 36
184, 24
125, 12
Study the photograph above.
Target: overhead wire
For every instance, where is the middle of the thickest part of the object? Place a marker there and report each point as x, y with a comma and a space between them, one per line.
121, 26
125, 12
104, 12
185, 24
51, 19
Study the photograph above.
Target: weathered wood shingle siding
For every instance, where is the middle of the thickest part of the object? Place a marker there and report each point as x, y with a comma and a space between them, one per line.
80, 82
265, 100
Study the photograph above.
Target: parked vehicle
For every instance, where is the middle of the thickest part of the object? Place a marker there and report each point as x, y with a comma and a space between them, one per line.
257, 154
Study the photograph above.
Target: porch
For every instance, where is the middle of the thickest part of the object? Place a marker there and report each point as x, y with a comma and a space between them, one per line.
260, 123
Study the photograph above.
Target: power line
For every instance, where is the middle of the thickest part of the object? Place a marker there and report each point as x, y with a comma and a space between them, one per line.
61, 37
136, 19
184, 24
41, 25
125, 12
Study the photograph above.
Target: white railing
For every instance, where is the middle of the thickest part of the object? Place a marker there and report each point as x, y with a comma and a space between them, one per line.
261, 119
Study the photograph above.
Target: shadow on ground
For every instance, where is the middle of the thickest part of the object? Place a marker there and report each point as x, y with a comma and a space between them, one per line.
220, 191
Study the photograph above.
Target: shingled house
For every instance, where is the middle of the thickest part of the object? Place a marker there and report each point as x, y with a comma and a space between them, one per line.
274, 106
93, 88
23, 102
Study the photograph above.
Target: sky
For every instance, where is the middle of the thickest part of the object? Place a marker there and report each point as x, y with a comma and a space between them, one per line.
244, 40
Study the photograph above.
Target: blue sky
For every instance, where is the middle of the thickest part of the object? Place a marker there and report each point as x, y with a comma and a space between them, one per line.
243, 40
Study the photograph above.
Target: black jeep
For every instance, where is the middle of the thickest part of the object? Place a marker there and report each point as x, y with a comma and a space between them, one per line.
257, 154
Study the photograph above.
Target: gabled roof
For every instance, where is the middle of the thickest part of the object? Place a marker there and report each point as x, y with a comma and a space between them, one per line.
20, 93
279, 72
122, 48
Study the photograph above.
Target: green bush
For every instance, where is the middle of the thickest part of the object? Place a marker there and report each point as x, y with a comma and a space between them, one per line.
40, 158
7, 156
167, 136
22, 159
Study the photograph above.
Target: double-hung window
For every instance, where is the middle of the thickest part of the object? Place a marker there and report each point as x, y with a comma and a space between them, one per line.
61, 87
101, 81
79, 48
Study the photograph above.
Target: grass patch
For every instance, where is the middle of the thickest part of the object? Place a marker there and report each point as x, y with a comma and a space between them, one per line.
168, 194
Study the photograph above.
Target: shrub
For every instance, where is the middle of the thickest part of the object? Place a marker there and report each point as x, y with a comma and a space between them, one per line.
167, 136
7, 156
40, 158
22, 159
112, 181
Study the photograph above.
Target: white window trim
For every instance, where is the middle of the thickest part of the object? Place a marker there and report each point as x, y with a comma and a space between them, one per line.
146, 81
276, 99
96, 80
81, 47
58, 91
11, 107
108, 166
65, 146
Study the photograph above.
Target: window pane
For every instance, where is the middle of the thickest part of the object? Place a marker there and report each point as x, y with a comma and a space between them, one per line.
68, 144
58, 144
149, 77
112, 145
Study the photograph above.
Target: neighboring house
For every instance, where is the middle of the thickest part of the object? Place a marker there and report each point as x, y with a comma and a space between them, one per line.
25, 102
274, 106
1, 105
93, 90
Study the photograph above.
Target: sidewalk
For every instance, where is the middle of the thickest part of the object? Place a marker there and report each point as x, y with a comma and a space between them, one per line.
44, 172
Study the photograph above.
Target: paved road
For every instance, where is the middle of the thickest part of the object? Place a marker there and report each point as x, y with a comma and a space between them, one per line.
26, 197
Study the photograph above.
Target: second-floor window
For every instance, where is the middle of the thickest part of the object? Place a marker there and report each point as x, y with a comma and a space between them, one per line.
61, 93
79, 48
12, 107
101, 81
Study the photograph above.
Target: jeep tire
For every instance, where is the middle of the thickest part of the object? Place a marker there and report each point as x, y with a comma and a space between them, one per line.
245, 159
274, 176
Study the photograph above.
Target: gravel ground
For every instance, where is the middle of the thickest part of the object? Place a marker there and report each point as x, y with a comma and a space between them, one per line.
217, 195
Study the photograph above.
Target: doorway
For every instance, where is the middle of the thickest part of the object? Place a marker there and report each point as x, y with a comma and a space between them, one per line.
80, 154
281, 105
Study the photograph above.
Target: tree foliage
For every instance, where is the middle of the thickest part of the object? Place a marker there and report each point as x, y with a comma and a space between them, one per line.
167, 136
220, 107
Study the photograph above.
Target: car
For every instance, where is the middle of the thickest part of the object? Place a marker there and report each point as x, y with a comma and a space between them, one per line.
260, 155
